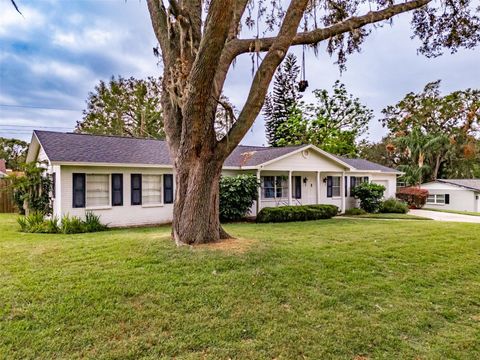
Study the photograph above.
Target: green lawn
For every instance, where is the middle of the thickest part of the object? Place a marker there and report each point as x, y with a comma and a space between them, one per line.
455, 212
326, 289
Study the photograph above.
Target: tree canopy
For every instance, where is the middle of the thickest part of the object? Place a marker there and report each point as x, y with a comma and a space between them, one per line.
431, 135
334, 123
14, 152
124, 107
284, 97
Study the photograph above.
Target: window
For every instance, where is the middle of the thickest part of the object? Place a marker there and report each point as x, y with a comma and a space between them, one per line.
356, 180
117, 189
438, 199
268, 187
333, 186
281, 186
136, 189
274, 187
151, 189
336, 186
98, 190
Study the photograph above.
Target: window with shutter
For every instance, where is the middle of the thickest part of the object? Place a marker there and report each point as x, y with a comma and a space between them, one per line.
78, 195
117, 189
168, 188
98, 190
336, 185
151, 189
136, 189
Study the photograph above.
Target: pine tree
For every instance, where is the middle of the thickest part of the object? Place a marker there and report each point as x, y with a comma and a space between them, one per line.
284, 97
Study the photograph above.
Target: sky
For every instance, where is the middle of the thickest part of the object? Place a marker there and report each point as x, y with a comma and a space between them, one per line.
55, 54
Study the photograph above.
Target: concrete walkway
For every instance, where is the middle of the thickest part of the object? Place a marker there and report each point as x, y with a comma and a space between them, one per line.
441, 216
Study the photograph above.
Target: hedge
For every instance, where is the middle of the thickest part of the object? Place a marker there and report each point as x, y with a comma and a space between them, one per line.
296, 213
415, 197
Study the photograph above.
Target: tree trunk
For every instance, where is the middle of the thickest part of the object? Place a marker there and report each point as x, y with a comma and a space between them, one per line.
437, 167
196, 210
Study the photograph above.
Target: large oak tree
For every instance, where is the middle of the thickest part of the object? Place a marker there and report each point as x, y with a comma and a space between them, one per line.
199, 42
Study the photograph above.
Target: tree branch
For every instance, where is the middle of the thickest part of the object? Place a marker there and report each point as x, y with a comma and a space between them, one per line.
240, 46
158, 16
263, 77
202, 74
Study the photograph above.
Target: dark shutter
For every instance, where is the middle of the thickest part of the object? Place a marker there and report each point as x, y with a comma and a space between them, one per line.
168, 188
117, 189
329, 186
136, 189
353, 183
346, 186
78, 191
54, 185
298, 187
447, 198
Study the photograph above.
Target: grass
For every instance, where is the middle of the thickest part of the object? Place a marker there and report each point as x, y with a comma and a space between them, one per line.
472, 213
326, 289
390, 216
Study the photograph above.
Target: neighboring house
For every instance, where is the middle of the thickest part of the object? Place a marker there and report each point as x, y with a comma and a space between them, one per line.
3, 168
130, 181
453, 194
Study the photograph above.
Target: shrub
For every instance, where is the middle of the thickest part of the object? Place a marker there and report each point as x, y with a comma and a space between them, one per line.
393, 206
52, 225
370, 196
32, 190
92, 223
296, 213
237, 194
355, 211
35, 223
72, 225
413, 196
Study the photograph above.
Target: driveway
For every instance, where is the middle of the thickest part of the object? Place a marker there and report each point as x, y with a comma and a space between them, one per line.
441, 216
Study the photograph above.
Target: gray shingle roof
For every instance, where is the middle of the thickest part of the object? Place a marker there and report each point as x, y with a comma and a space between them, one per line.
72, 147
472, 184
365, 165
256, 155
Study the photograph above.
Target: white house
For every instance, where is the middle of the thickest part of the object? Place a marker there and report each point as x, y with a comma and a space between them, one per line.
453, 194
130, 181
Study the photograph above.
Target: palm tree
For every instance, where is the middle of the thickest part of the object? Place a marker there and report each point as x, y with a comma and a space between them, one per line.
424, 150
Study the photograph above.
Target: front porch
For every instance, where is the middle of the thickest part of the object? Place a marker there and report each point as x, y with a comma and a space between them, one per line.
280, 188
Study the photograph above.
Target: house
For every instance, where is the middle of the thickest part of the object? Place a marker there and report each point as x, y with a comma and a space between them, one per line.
453, 194
3, 168
130, 181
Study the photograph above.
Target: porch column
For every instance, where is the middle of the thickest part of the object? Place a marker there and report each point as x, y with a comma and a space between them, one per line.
342, 191
290, 187
259, 196
318, 187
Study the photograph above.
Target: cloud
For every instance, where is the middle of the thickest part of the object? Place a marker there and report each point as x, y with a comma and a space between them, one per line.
15, 26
